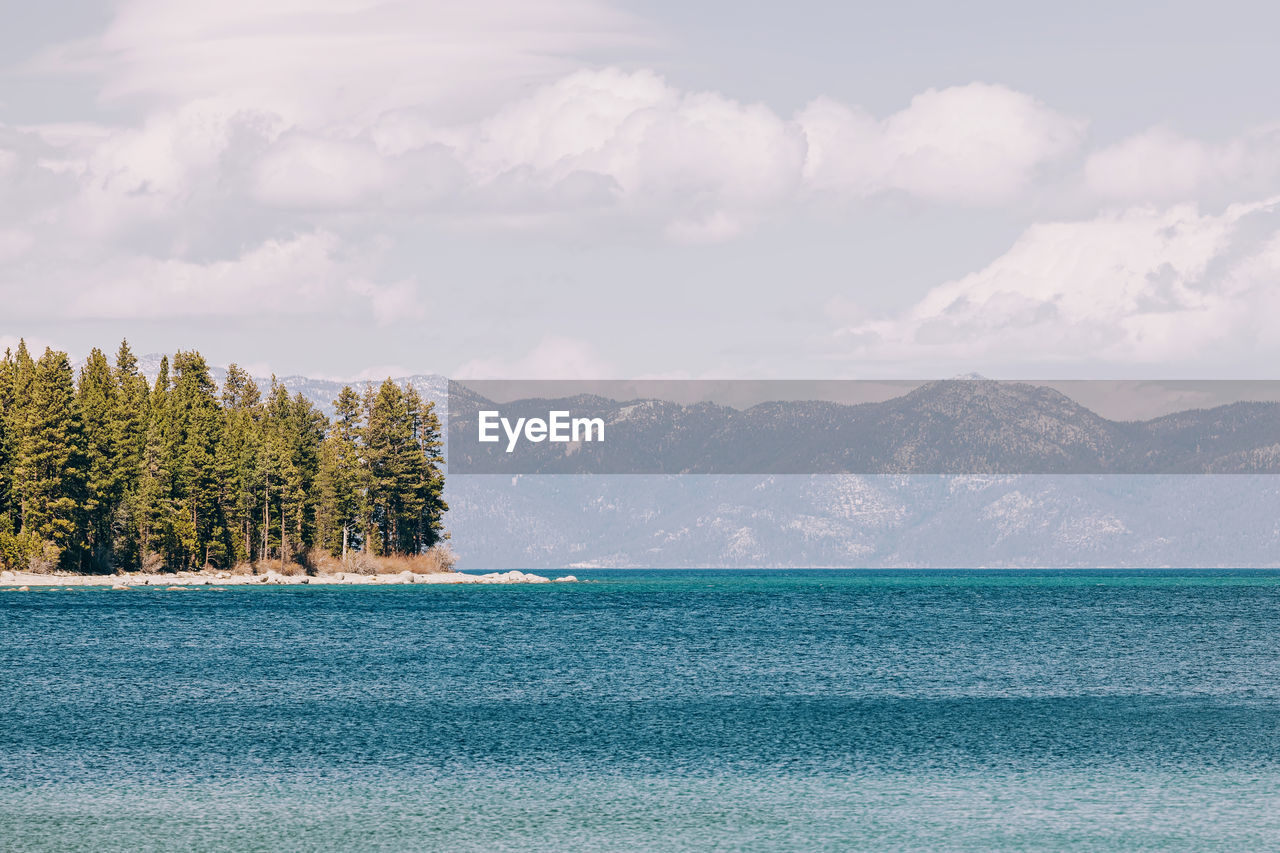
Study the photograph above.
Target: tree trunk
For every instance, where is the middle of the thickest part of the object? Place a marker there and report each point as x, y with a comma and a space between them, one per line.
266, 518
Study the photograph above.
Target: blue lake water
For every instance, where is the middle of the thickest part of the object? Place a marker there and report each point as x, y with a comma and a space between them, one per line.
659, 710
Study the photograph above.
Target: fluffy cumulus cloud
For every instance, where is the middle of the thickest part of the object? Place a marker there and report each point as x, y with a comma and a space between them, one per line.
309, 273
968, 144
694, 166
281, 181
553, 357
316, 61
1154, 285
231, 168
698, 164
1160, 164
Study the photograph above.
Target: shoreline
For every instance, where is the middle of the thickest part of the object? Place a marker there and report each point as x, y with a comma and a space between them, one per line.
25, 580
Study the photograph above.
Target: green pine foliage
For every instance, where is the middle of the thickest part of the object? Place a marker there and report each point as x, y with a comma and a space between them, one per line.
101, 471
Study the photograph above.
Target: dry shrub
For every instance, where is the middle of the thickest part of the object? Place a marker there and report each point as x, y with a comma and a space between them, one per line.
324, 563
288, 569
152, 563
45, 559
291, 569
438, 558
363, 564
242, 569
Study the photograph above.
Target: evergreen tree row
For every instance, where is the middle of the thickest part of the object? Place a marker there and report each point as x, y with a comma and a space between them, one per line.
104, 471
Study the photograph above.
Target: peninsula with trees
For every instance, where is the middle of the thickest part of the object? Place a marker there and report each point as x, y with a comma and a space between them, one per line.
105, 472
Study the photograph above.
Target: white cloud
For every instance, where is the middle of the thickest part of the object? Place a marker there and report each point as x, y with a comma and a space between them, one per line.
552, 358
592, 150
317, 62
153, 173
277, 275
310, 172
307, 274
700, 164
1143, 285
975, 144
14, 244
257, 186
397, 302
1162, 165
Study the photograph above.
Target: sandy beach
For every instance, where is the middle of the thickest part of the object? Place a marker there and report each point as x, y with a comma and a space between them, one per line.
180, 580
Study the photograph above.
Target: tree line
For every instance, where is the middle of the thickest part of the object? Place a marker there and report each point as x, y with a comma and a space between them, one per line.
102, 470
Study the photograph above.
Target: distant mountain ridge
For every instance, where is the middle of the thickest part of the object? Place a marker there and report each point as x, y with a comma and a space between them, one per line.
945, 427
517, 521
321, 392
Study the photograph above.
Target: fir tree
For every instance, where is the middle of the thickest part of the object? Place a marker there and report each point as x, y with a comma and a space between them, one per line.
241, 436
130, 432
154, 513
341, 482
99, 408
21, 373
6, 443
49, 473
402, 451
196, 424
431, 506
105, 473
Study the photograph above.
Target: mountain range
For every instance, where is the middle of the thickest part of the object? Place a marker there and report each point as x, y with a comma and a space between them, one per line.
945, 427
1206, 499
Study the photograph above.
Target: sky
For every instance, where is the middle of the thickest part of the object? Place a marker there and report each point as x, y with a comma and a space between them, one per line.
596, 189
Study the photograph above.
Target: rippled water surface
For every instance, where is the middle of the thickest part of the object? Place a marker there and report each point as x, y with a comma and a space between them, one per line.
649, 710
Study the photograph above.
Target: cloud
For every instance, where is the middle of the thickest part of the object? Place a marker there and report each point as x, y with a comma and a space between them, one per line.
975, 144
594, 151
1153, 285
310, 273
14, 244
324, 61
278, 275
1162, 165
397, 302
311, 172
346, 114
699, 164
280, 183
552, 358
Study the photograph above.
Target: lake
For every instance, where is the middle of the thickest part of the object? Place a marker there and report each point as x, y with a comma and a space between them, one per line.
658, 710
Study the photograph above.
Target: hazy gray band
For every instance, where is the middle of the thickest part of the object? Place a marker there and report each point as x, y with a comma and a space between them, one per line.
958, 426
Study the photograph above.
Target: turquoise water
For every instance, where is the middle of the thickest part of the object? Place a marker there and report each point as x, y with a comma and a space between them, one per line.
650, 710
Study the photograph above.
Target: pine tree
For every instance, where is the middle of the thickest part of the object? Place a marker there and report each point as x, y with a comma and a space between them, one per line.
21, 373
430, 506
241, 437
102, 472
196, 423
154, 513
341, 483
133, 407
387, 433
99, 405
280, 481
50, 466
7, 449
405, 487
307, 430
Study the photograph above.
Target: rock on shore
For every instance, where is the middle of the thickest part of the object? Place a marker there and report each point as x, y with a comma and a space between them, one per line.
181, 580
